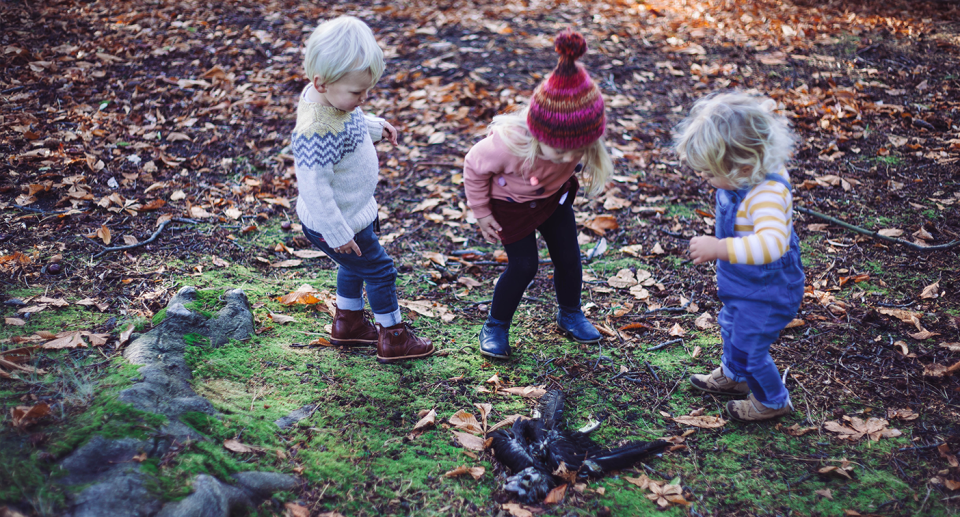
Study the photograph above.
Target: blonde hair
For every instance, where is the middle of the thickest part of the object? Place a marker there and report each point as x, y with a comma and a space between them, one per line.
513, 131
340, 46
735, 136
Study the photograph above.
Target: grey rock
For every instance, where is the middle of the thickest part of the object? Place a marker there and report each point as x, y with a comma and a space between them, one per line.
122, 495
165, 388
99, 456
210, 498
119, 485
296, 416
234, 321
262, 485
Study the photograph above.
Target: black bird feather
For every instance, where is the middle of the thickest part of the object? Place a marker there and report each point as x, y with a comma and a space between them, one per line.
533, 450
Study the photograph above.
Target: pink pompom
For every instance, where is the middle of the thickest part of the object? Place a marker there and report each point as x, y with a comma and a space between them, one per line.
534, 181
570, 44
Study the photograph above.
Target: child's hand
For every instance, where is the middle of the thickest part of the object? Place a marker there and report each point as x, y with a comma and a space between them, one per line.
390, 132
489, 228
706, 248
348, 248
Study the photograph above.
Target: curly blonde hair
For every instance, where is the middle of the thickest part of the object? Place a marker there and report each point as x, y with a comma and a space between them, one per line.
735, 136
513, 130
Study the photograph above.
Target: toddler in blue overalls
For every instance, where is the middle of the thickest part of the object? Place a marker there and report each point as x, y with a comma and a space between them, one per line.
736, 143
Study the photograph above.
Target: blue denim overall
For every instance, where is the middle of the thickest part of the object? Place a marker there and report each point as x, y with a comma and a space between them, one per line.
758, 302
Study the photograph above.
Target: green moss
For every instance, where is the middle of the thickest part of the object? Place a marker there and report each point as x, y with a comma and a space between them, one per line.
196, 340
26, 477
355, 446
159, 317
890, 161
206, 304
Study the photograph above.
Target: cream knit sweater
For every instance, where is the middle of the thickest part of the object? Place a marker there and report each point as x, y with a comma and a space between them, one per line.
337, 169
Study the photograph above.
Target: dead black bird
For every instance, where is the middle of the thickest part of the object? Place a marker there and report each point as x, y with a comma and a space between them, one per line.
534, 450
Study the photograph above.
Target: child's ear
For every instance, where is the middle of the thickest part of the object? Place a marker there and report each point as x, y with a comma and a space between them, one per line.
317, 85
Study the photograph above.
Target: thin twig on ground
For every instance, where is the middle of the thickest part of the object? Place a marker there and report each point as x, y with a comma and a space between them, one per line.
875, 234
141, 243
664, 345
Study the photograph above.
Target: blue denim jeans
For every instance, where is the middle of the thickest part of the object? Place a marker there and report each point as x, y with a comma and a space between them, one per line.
373, 268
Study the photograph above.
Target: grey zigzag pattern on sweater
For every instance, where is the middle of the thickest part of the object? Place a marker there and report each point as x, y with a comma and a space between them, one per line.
323, 146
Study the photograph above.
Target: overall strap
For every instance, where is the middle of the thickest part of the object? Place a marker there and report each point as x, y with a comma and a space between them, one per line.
778, 178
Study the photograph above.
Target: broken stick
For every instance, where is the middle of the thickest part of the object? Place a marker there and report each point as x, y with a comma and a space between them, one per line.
874, 234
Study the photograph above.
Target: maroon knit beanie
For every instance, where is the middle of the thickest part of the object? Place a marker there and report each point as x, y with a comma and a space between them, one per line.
566, 111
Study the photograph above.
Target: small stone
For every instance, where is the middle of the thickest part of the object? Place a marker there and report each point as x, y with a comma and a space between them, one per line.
55, 268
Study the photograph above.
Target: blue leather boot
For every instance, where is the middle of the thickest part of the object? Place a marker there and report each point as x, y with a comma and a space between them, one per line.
495, 338
575, 325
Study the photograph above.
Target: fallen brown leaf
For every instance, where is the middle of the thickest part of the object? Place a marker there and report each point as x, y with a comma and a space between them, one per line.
287, 263
931, 291
126, 333
506, 421
796, 430
295, 510
475, 472
469, 441
427, 421
903, 414
856, 428
281, 318
703, 421
517, 510
235, 446
25, 416
555, 496
938, 370
305, 294
466, 422
601, 223
531, 392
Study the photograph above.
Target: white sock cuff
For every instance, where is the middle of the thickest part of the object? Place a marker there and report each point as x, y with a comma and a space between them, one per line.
388, 320
349, 304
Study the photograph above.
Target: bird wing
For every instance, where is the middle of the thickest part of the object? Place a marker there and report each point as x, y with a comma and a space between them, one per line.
551, 407
624, 457
511, 448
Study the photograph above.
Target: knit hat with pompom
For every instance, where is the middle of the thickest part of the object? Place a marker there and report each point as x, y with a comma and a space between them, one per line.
566, 111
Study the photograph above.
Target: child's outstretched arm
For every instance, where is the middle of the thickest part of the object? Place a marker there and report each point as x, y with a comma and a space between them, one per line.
479, 168
380, 128
489, 228
391, 133
707, 248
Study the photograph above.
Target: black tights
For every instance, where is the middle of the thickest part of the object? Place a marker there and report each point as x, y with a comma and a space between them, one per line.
560, 234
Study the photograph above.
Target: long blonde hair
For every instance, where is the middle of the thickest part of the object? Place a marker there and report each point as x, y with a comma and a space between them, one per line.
735, 136
513, 131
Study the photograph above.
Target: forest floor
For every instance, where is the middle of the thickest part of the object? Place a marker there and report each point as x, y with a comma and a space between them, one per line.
118, 116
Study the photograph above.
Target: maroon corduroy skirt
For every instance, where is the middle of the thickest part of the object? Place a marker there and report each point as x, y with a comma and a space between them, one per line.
521, 219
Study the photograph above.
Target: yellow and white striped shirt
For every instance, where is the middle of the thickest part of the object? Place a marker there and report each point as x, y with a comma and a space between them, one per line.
763, 226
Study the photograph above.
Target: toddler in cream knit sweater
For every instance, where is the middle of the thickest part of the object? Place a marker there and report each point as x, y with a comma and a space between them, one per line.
337, 172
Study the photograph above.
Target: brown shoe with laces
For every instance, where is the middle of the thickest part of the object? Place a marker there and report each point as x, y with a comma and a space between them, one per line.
352, 328
397, 343
751, 410
718, 383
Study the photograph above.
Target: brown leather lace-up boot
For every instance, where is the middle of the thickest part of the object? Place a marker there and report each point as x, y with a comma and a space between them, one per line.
397, 343
352, 328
